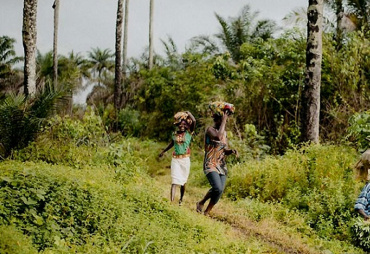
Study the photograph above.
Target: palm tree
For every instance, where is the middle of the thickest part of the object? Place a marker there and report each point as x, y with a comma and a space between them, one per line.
358, 13
72, 71
151, 34
124, 57
9, 79
7, 56
311, 92
29, 35
55, 42
339, 13
173, 58
238, 30
100, 62
118, 65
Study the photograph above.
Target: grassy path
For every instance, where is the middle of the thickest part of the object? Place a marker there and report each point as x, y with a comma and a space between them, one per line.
280, 231
268, 232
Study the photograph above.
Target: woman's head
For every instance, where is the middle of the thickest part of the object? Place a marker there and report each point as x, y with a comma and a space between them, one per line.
217, 119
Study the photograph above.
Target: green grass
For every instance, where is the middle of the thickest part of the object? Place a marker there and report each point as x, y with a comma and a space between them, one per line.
90, 210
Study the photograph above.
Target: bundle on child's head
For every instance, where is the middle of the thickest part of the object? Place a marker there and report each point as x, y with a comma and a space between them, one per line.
181, 116
219, 108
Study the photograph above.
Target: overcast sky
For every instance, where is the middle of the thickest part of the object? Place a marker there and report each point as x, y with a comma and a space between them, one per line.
86, 24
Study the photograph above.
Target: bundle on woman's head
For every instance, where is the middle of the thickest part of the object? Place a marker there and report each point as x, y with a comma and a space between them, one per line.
219, 108
181, 116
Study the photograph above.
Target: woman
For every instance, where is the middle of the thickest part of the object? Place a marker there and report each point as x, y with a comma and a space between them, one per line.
180, 164
216, 148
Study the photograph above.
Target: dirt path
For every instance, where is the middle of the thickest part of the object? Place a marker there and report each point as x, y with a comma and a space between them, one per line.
266, 231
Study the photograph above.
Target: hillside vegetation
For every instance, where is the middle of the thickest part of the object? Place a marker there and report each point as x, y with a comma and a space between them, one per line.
78, 190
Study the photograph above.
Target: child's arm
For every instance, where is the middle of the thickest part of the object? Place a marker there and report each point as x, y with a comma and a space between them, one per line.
170, 145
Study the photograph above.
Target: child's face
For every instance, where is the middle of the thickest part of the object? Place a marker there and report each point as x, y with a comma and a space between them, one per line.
182, 126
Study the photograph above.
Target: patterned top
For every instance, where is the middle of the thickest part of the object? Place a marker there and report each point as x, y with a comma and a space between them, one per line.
363, 200
181, 143
214, 158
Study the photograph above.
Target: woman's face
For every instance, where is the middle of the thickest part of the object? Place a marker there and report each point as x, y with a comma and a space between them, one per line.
217, 119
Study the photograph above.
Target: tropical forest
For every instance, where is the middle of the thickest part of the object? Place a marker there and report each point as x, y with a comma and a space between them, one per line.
98, 177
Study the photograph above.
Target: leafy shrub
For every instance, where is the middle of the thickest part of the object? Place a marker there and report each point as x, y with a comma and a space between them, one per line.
315, 180
130, 123
359, 130
361, 234
70, 142
251, 146
93, 211
21, 118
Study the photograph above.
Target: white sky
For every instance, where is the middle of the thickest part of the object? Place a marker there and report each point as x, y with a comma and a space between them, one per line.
86, 24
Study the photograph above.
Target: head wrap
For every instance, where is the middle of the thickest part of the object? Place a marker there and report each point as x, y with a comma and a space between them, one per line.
179, 116
219, 107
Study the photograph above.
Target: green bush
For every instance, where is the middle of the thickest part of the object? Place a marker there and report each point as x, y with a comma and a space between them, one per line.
359, 130
130, 123
21, 118
316, 180
93, 211
70, 142
361, 234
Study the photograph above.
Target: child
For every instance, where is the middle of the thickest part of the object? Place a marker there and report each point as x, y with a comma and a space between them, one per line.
180, 164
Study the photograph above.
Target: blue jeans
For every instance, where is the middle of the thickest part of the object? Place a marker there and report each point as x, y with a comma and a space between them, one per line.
217, 182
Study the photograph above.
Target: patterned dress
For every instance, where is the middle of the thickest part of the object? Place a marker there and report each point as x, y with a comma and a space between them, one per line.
214, 158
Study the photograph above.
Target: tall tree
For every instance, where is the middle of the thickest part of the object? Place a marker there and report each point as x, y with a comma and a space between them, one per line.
124, 56
29, 36
151, 34
339, 13
55, 42
118, 59
100, 62
311, 92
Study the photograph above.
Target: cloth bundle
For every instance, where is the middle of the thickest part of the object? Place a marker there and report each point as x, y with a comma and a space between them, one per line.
180, 116
219, 107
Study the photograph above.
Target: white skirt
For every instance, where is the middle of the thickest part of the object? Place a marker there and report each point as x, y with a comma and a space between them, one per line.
180, 169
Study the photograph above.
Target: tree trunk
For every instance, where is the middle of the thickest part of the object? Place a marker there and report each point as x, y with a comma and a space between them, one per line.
124, 65
29, 36
118, 66
151, 34
339, 12
311, 92
55, 43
